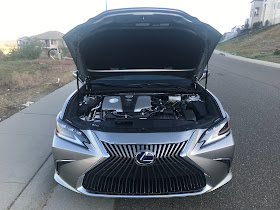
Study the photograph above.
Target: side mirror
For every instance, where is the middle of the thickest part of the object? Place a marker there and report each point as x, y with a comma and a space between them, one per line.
76, 74
203, 76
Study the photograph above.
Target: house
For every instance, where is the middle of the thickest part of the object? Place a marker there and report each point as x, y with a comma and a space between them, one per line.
50, 39
22, 41
256, 12
271, 12
265, 11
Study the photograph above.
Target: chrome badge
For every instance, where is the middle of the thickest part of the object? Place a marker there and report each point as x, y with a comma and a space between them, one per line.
145, 158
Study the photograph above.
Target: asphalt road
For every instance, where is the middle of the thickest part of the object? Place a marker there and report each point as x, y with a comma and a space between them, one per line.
249, 93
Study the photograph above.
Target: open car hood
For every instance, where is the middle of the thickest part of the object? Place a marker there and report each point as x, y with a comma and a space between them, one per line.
142, 41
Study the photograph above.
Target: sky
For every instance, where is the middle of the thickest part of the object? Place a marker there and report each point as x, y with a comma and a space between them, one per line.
30, 17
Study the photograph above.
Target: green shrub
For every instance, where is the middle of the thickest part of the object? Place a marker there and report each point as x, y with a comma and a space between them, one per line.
246, 25
31, 50
65, 51
2, 55
276, 52
266, 23
259, 56
257, 25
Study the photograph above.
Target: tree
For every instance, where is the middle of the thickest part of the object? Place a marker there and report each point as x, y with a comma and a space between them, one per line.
246, 25
32, 49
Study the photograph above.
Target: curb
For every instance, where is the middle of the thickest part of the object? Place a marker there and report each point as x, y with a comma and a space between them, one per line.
259, 62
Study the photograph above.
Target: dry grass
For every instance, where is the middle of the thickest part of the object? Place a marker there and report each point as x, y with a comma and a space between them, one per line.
22, 81
24, 74
26, 80
258, 45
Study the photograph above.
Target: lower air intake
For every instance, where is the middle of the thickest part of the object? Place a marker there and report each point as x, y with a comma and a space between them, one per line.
120, 175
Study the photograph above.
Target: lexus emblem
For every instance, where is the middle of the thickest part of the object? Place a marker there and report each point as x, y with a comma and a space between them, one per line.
145, 158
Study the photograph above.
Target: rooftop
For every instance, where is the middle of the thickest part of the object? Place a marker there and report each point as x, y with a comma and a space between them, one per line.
49, 35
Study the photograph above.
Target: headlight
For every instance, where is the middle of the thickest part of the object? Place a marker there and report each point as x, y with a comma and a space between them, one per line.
225, 129
215, 133
69, 133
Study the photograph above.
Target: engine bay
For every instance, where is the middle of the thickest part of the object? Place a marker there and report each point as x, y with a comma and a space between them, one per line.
100, 108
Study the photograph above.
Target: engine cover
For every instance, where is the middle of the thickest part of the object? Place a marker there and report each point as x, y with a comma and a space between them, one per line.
126, 104
112, 103
143, 102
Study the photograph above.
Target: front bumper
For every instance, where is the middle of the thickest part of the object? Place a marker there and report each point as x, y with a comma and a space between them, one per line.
73, 162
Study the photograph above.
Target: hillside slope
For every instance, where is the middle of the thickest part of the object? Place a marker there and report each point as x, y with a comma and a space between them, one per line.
258, 45
7, 46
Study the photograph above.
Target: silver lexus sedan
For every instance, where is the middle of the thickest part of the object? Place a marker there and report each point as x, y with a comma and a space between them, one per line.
140, 123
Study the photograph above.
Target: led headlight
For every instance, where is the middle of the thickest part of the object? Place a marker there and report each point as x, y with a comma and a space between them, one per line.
215, 133
69, 133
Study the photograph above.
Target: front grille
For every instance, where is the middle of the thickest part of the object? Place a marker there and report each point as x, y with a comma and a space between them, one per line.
131, 150
120, 175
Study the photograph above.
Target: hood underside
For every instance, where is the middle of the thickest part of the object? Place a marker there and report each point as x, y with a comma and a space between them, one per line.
142, 41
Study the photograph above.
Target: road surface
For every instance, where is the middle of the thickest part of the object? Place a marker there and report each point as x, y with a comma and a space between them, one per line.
250, 94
